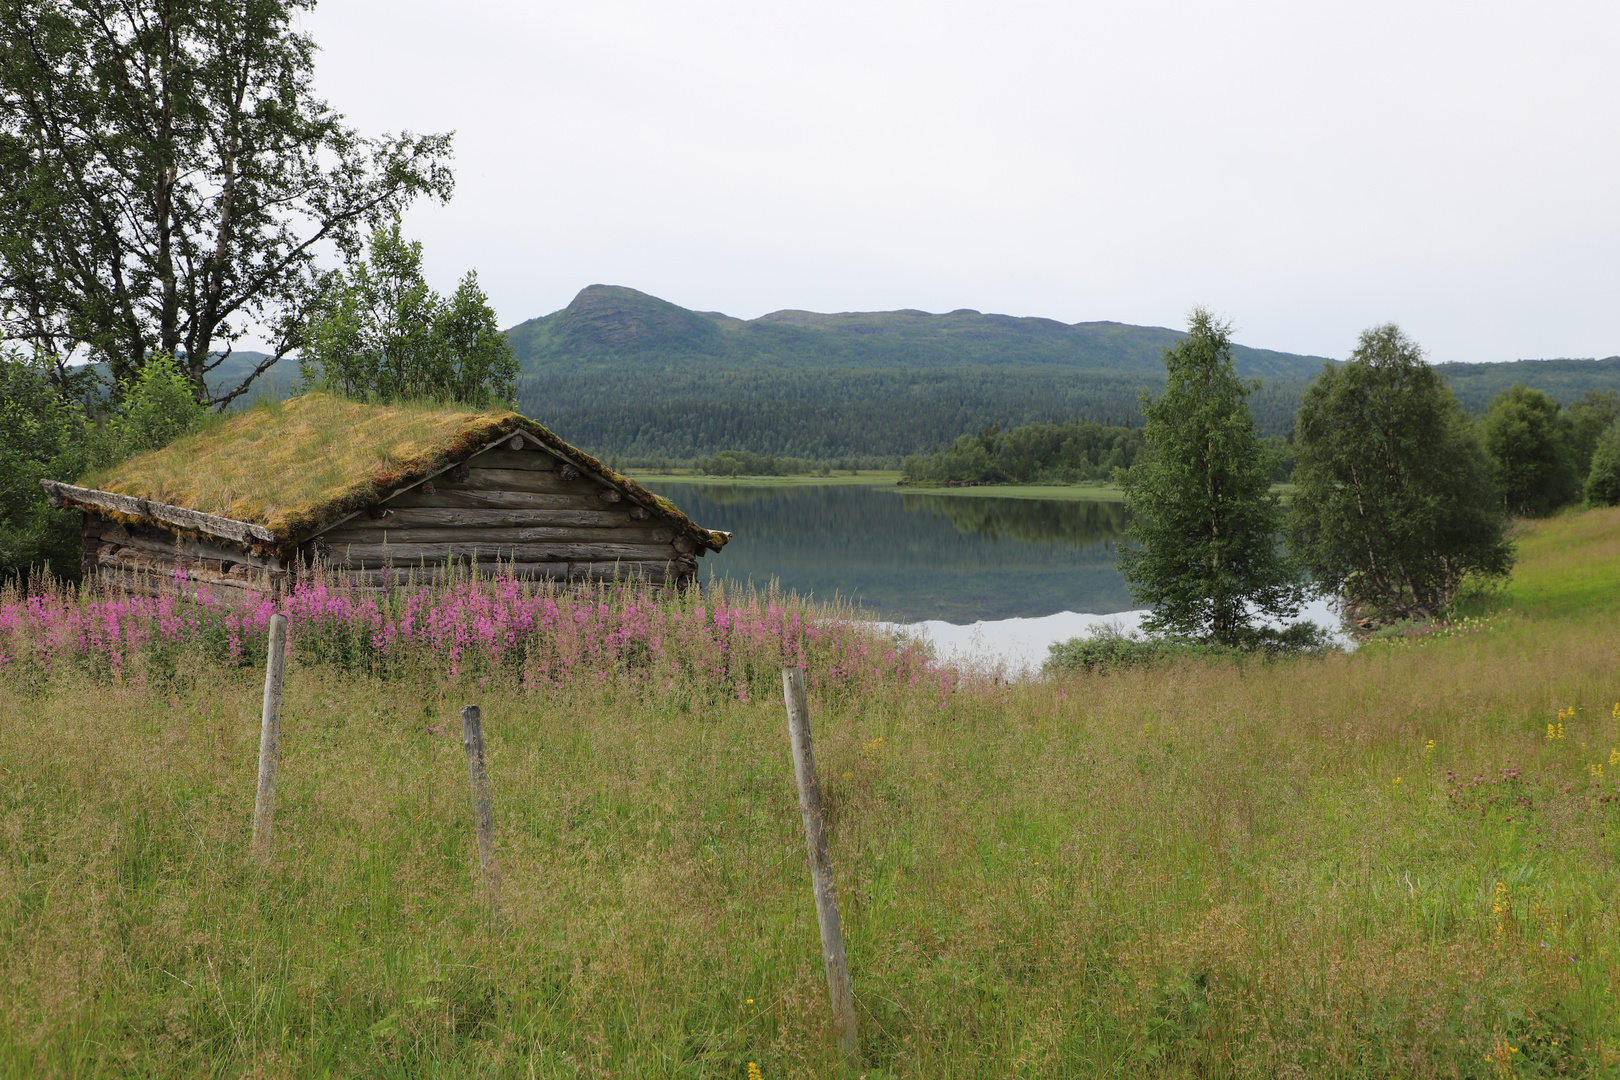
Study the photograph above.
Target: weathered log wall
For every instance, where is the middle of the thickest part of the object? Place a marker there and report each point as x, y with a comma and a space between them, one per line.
522, 508
535, 515
144, 559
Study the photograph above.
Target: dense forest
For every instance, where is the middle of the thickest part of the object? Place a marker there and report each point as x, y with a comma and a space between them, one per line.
630, 376
1033, 454
643, 381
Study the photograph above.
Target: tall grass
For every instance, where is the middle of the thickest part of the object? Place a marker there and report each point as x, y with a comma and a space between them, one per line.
1376, 864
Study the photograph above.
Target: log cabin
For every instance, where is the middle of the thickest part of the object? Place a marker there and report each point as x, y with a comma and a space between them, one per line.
376, 494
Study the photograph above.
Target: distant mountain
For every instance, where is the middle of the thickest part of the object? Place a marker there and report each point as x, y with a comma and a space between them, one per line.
1476, 384
276, 383
627, 374
613, 326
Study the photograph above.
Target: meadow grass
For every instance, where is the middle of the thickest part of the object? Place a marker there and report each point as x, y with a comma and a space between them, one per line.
1377, 864
1567, 564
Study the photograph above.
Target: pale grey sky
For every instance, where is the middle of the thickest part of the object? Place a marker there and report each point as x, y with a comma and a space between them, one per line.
1307, 169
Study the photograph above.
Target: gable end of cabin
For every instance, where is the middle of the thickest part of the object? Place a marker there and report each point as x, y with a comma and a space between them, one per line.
518, 504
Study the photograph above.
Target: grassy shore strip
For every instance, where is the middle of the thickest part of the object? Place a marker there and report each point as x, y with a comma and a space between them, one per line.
873, 478
888, 481
1398, 862
1055, 492
1059, 492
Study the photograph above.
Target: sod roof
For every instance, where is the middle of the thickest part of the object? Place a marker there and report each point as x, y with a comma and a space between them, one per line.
300, 466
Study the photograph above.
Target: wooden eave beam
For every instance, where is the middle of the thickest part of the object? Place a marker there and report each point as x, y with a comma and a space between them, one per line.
239, 532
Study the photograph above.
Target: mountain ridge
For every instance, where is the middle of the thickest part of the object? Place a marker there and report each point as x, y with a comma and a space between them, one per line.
621, 372
615, 323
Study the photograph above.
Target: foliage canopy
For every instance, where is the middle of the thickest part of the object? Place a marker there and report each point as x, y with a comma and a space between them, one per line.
1203, 513
1603, 479
1030, 454
1531, 443
380, 331
41, 437
167, 177
1395, 503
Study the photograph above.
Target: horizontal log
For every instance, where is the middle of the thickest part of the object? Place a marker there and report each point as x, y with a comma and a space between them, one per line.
448, 497
428, 575
161, 542
520, 480
596, 517
160, 566
240, 531
654, 572
337, 539
142, 583
525, 460
368, 555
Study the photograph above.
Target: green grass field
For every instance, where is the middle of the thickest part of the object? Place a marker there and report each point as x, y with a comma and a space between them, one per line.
1395, 863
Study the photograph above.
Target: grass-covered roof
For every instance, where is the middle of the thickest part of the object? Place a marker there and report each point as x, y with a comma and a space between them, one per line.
298, 466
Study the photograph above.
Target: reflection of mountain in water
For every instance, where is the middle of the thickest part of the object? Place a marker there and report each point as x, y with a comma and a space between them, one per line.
1034, 521
916, 556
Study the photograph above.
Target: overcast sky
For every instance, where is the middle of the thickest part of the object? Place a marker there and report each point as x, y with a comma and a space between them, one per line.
1307, 169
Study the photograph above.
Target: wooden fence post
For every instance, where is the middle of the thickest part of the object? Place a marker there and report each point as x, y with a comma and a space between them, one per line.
264, 806
821, 875
472, 741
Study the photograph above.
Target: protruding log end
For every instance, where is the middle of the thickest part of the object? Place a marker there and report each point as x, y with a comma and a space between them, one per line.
516, 443
567, 472
608, 495
460, 473
639, 513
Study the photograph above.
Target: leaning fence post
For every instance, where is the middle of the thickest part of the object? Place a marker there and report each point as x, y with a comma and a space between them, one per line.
472, 741
264, 806
821, 875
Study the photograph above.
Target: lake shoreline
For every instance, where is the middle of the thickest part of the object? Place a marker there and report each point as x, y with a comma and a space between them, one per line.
891, 481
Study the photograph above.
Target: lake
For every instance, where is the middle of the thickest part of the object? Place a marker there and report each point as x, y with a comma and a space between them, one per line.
910, 557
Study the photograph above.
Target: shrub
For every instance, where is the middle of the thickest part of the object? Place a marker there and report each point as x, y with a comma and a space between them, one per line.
1603, 482
1108, 648
159, 406
41, 437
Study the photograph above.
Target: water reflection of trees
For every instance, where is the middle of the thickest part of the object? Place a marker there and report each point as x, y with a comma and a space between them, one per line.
1034, 521
915, 556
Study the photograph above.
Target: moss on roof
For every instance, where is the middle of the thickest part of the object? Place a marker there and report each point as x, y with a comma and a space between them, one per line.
300, 465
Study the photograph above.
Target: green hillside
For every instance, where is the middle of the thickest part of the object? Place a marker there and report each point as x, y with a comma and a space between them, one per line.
1476, 384
609, 326
629, 374
623, 373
